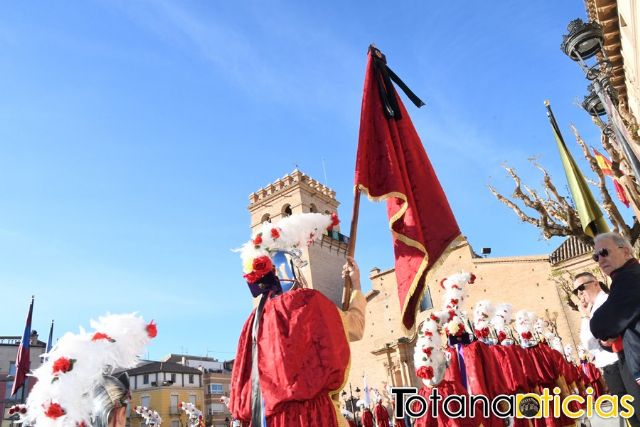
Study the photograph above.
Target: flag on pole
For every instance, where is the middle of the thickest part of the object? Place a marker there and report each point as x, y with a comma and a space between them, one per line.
589, 212
22, 358
605, 166
49, 341
392, 165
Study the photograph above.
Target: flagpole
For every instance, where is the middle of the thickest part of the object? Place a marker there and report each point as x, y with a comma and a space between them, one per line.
351, 249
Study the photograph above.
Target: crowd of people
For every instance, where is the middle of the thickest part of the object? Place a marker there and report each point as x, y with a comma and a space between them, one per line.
293, 353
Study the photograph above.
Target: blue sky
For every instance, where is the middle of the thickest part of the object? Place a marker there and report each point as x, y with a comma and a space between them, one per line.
132, 133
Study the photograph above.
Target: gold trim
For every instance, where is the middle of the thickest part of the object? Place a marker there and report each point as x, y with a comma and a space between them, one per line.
414, 244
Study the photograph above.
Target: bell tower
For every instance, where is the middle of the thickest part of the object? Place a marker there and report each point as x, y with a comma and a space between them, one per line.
299, 193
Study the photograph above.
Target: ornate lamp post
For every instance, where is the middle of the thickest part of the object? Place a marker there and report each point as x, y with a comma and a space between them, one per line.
584, 42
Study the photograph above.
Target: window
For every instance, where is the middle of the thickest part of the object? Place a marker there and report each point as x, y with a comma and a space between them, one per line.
312, 208
216, 389
175, 423
216, 408
12, 369
146, 401
426, 303
192, 398
286, 210
173, 378
190, 378
145, 379
265, 218
173, 403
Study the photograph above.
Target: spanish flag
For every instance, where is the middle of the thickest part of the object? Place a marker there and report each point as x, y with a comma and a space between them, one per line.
392, 165
591, 217
605, 167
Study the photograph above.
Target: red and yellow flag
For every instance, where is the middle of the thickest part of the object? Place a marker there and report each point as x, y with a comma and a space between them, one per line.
392, 165
605, 167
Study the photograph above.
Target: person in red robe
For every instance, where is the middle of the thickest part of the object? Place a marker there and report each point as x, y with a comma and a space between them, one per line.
382, 415
367, 418
293, 352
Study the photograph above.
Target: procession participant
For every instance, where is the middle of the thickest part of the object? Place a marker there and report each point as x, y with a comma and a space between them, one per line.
77, 384
431, 363
367, 418
472, 363
293, 352
381, 413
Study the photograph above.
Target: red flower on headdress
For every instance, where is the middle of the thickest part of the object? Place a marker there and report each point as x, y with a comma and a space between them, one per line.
257, 241
62, 365
261, 267
152, 329
482, 333
81, 424
427, 351
334, 221
425, 372
54, 410
428, 333
526, 335
101, 336
472, 279
452, 314
180, 405
502, 336
434, 317
275, 234
454, 301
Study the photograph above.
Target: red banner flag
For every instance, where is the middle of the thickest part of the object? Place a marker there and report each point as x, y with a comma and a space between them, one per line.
392, 165
22, 358
605, 167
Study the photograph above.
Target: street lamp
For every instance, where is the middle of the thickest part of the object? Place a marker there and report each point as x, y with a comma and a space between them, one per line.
583, 42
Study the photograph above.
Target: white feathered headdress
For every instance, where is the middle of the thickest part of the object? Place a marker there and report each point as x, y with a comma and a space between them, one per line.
63, 395
289, 234
151, 418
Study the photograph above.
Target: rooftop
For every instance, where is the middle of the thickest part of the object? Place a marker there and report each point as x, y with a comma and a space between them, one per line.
171, 367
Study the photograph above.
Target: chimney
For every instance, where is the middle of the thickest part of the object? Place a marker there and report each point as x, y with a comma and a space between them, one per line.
184, 361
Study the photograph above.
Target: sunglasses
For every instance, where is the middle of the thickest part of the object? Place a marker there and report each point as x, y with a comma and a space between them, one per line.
601, 253
582, 287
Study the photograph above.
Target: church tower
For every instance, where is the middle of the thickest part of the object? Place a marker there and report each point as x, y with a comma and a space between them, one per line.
299, 193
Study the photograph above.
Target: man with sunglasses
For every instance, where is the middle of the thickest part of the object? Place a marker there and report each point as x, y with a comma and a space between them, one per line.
591, 295
619, 315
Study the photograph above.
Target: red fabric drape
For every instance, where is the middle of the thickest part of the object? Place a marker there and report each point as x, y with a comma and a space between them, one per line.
392, 165
303, 355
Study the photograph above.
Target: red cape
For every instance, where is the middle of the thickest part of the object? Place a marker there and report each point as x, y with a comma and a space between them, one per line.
303, 356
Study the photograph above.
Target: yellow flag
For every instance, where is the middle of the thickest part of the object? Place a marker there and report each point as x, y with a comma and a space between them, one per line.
591, 218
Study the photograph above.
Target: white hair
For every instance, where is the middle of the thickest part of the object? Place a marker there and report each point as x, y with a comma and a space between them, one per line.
619, 240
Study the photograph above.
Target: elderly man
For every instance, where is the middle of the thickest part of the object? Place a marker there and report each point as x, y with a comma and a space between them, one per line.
592, 295
619, 315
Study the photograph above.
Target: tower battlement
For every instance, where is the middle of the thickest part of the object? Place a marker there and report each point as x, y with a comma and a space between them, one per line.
294, 178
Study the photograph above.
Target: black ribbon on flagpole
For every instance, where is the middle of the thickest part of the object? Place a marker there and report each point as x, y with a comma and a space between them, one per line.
384, 77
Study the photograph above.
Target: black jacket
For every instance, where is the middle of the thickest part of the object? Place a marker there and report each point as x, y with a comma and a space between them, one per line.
620, 313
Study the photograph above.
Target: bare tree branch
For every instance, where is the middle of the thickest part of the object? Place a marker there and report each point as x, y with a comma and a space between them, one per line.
608, 205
